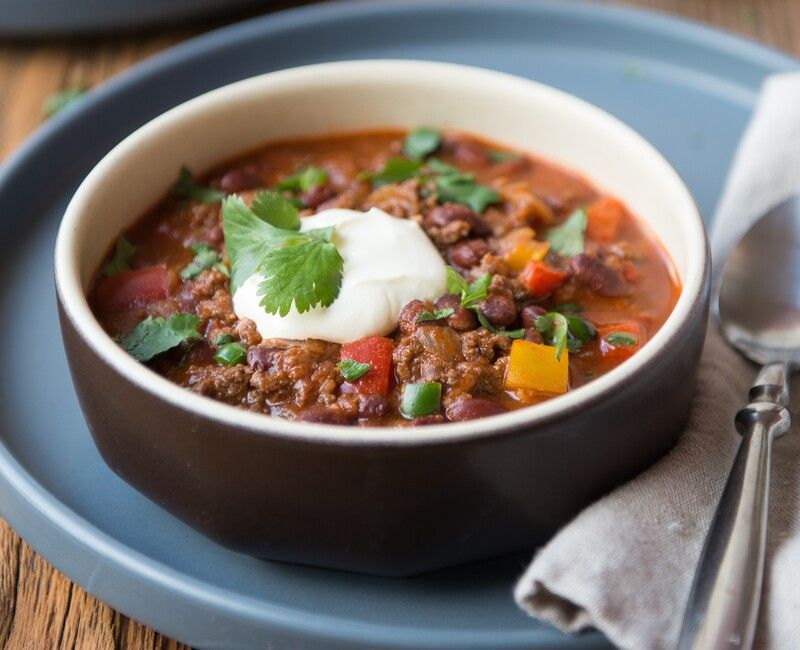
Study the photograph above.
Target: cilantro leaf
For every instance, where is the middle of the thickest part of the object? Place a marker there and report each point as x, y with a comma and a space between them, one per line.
622, 338
568, 238
498, 156
455, 186
154, 336
352, 369
300, 268
581, 329
422, 142
60, 100
476, 291
441, 167
396, 170
205, 257
120, 261
276, 210
554, 329
437, 314
455, 282
304, 180
513, 334
186, 187
222, 339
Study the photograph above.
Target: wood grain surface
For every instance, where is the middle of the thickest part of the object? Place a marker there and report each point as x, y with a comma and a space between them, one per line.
39, 607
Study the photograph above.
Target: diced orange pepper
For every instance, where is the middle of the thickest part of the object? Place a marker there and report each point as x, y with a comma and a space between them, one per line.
620, 351
526, 251
533, 366
604, 217
540, 278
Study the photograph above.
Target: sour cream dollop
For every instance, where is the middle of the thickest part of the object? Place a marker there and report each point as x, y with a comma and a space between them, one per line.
387, 263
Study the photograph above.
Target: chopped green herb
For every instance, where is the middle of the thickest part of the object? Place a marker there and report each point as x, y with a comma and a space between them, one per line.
554, 329
121, 260
476, 291
581, 329
60, 100
205, 257
276, 210
622, 338
303, 269
437, 314
396, 170
154, 336
441, 167
568, 238
352, 369
503, 156
186, 187
420, 399
422, 142
455, 282
462, 188
222, 339
231, 354
483, 320
568, 307
513, 334
304, 180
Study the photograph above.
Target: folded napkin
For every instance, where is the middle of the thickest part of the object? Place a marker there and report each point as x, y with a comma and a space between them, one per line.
625, 564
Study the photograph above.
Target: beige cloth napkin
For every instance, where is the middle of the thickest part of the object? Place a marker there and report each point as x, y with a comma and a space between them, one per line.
625, 564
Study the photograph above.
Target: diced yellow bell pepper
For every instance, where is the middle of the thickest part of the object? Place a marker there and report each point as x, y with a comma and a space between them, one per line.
533, 366
524, 252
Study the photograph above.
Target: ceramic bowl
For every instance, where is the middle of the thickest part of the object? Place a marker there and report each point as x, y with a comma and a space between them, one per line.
380, 500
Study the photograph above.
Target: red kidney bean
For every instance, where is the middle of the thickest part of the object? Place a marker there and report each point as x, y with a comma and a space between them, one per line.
470, 409
467, 254
533, 335
466, 152
596, 275
461, 319
324, 415
499, 309
372, 406
238, 180
262, 357
529, 314
442, 215
409, 314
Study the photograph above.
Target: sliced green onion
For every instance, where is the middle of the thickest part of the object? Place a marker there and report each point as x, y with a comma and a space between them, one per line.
421, 399
231, 354
352, 369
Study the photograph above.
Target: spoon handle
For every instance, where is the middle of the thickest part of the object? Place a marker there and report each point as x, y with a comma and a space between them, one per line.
723, 605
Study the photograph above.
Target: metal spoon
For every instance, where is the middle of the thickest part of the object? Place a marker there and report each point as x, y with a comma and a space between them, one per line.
757, 308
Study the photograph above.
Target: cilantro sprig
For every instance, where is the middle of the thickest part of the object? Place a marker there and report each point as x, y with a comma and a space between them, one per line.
352, 369
472, 294
456, 186
186, 187
154, 336
205, 257
124, 250
564, 332
304, 180
426, 316
422, 142
303, 269
396, 170
568, 238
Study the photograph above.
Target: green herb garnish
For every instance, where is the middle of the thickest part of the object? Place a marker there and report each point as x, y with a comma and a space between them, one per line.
276, 210
564, 332
154, 336
396, 170
352, 369
512, 334
186, 187
231, 354
437, 314
222, 339
60, 100
503, 156
205, 257
121, 260
422, 142
568, 238
304, 180
568, 307
303, 269
455, 186
471, 293
622, 338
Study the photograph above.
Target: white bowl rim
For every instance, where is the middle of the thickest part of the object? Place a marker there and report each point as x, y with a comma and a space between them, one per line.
76, 306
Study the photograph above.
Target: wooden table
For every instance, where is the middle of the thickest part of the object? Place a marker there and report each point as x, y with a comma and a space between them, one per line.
39, 607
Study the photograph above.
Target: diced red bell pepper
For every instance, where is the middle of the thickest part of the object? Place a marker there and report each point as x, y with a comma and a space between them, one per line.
132, 289
620, 347
376, 351
604, 217
540, 278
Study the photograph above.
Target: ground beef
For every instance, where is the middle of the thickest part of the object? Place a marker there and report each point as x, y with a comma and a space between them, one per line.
225, 383
399, 200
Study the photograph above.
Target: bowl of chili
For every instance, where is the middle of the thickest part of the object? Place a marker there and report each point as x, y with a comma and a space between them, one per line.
523, 375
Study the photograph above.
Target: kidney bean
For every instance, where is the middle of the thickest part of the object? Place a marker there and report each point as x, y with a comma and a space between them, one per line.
407, 320
499, 309
529, 314
442, 215
318, 195
372, 406
467, 254
238, 180
466, 152
470, 409
532, 335
461, 319
596, 275
262, 357
324, 415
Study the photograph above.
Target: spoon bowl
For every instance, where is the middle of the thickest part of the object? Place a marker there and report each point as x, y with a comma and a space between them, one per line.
758, 305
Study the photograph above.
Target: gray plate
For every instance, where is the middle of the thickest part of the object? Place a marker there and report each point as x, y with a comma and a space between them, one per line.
688, 89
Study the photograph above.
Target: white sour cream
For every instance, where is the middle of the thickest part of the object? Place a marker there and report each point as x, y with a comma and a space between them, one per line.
387, 263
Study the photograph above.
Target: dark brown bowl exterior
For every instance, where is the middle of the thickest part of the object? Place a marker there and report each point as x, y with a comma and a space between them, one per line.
391, 510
